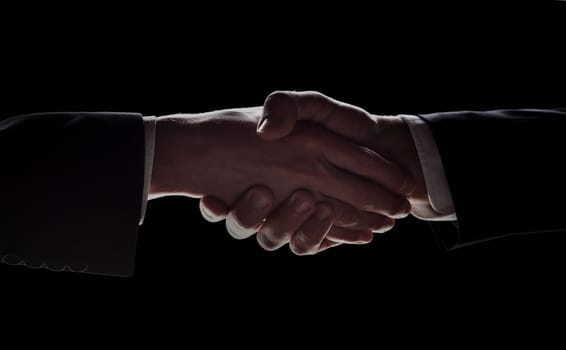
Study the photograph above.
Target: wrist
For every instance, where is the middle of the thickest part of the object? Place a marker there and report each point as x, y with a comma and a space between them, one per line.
174, 135
413, 164
394, 141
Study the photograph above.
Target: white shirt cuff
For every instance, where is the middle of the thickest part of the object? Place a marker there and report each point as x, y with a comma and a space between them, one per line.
149, 130
441, 205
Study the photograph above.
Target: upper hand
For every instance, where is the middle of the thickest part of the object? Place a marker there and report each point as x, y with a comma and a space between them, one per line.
220, 154
388, 136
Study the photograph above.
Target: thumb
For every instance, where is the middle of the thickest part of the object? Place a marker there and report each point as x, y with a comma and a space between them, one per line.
279, 116
282, 109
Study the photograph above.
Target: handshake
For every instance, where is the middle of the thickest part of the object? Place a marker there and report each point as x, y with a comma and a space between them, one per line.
304, 169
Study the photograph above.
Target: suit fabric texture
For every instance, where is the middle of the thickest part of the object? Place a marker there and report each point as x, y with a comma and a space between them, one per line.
72, 183
505, 170
72, 187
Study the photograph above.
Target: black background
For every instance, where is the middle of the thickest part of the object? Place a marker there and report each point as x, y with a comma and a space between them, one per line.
405, 60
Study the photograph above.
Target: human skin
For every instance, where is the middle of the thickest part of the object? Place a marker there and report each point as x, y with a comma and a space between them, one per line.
221, 155
283, 111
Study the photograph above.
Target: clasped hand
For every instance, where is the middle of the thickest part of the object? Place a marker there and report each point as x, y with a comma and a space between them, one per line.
305, 170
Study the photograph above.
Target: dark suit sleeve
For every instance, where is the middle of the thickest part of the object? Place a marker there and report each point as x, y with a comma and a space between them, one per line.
505, 170
71, 190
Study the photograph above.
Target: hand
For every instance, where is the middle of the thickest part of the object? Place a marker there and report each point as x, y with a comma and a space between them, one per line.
388, 136
307, 233
219, 154
281, 112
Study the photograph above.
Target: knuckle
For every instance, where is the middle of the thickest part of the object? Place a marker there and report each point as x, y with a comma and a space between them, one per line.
371, 203
400, 208
365, 238
392, 206
275, 95
303, 244
273, 98
273, 237
347, 217
278, 102
298, 250
302, 196
241, 220
270, 232
327, 209
384, 225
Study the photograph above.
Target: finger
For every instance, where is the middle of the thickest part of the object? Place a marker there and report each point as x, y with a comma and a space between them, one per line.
346, 216
335, 238
341, 235
338, 236
282, 109
367, 163
247, 214
361, 193
326, 244
285, 220
213, 209
308, 238
279, 116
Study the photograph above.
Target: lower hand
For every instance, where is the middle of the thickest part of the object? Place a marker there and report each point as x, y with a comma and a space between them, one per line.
309, 231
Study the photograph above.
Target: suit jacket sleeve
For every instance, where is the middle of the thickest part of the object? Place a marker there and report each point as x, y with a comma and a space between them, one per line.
505, 170
71, 190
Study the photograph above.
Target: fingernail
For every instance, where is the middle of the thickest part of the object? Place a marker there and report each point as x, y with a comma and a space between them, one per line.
262, 124
323, 213
259, 201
